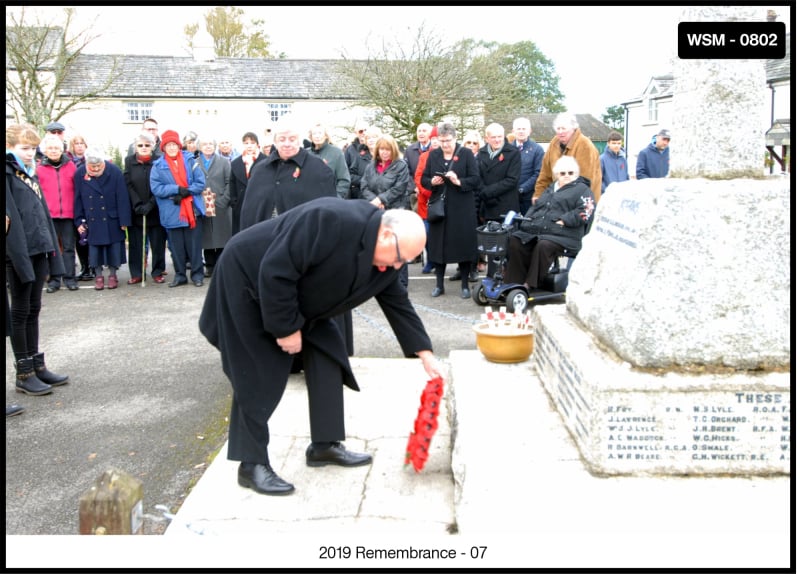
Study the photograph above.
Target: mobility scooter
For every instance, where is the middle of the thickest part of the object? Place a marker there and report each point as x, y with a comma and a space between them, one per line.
493, 241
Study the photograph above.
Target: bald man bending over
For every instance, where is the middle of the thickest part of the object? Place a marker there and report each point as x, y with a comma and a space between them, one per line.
276, 287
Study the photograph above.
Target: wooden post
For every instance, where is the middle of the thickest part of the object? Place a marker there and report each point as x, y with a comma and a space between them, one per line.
113, 505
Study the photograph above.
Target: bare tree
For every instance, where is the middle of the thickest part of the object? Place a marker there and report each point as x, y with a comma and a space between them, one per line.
231, 39
39, 58
470, 83
424, 83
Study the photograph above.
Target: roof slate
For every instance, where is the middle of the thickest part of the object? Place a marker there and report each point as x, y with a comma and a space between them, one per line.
223, 78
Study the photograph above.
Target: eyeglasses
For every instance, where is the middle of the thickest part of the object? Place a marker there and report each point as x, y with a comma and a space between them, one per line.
397, 249
56, 131
143, 145
563, 173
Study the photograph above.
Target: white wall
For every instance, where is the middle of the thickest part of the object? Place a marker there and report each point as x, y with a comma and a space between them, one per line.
106, 123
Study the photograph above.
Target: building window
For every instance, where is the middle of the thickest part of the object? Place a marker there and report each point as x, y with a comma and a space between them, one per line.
139, 111
277, 110
652, 105
652, 110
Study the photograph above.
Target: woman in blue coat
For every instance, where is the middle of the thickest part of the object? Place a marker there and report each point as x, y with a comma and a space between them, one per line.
178, 182
103, 209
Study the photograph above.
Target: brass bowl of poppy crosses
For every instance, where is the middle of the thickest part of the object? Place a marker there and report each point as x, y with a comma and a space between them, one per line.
504, 343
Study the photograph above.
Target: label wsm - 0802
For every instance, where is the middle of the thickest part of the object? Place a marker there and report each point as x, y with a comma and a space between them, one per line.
731, 40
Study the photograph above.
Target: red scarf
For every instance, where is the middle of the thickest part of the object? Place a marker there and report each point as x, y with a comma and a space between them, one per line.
178, 170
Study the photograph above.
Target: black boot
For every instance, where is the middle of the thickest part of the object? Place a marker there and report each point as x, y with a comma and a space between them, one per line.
48, 377
28, 382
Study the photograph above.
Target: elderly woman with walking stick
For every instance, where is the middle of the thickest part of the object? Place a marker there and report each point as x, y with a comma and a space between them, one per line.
146, 225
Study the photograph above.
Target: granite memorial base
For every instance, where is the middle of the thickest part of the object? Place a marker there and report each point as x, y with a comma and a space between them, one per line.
633, 421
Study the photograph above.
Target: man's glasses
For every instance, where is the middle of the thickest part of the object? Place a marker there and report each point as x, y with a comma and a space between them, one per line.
397, 248
562, 173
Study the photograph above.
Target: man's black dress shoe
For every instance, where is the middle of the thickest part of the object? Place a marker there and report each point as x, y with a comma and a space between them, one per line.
336, 454
177, 283
263, 479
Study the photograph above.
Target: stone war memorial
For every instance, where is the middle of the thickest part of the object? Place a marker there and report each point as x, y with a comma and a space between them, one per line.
672, 354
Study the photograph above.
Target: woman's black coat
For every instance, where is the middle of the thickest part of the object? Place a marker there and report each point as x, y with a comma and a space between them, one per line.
31, 231
573, 204
454, 239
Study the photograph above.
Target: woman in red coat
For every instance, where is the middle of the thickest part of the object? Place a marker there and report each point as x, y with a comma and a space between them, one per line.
424, 194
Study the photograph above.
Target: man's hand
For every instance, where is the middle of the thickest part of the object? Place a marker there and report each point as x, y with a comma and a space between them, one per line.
430, 364
292, 344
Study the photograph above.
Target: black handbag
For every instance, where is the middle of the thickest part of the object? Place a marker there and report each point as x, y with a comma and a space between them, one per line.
436, 208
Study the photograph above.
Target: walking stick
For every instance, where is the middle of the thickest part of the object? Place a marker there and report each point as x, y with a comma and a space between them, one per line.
144, 249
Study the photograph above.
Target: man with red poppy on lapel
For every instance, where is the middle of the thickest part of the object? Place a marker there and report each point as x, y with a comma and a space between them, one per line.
177, 182
285, 179
500, 165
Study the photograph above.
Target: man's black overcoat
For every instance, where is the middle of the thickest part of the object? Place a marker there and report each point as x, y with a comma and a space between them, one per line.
276, 185
297, 271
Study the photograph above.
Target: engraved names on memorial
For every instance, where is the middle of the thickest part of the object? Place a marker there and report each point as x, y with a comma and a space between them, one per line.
733, 426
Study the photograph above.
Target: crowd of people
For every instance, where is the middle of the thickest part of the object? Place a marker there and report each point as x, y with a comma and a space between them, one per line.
190, 195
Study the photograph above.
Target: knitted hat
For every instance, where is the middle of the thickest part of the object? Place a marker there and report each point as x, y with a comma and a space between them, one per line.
170, 136
434, 132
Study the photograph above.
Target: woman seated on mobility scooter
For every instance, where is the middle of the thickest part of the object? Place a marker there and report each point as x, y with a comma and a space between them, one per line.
558, 220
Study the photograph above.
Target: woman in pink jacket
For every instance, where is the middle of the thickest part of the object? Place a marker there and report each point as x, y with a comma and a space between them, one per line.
57, 180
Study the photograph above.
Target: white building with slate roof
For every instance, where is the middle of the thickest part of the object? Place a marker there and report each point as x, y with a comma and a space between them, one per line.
223, 97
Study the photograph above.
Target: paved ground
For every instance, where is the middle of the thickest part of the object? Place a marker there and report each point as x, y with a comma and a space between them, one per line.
148, 396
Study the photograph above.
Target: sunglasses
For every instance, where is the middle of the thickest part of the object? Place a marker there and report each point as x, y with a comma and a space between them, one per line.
56, 131
566, 173
143, 145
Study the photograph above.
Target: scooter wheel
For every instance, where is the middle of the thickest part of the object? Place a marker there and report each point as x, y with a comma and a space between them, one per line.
517, 300
479, 294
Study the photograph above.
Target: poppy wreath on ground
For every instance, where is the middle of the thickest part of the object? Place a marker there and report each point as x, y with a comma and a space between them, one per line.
425, 425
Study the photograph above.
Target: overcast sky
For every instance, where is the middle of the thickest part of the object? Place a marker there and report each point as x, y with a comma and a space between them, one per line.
603, 54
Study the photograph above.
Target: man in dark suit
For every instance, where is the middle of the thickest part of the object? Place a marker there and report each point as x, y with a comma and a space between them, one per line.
278, 285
